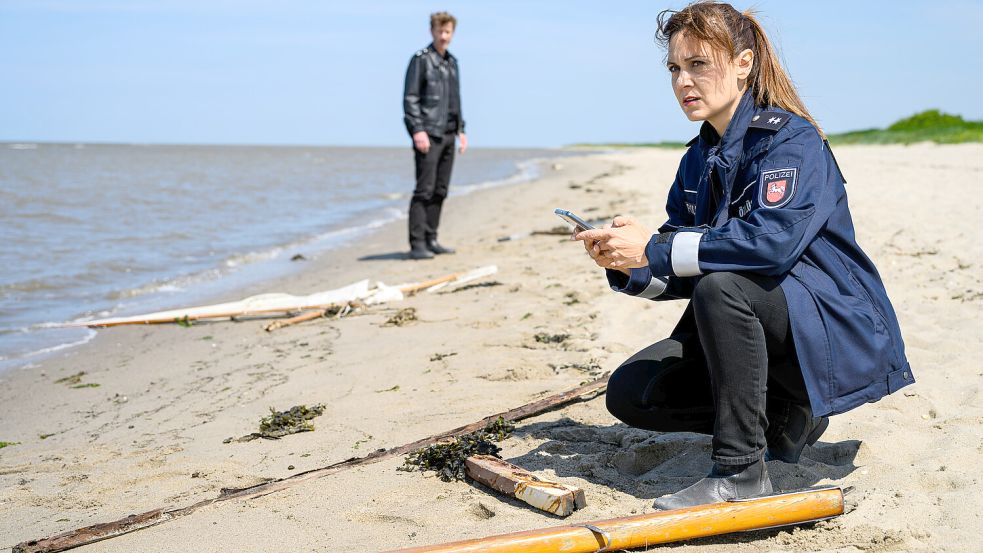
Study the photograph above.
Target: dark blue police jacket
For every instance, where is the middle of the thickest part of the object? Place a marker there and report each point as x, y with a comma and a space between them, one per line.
768, 198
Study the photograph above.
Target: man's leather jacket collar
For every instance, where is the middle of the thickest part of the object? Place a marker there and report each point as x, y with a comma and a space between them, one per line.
449, 57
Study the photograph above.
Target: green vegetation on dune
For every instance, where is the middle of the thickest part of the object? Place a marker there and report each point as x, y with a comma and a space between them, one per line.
928, 126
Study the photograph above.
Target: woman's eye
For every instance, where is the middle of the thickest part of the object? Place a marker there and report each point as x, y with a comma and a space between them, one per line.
698, 63
673, 69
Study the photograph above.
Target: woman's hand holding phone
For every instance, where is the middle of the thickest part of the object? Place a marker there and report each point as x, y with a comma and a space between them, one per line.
619, 246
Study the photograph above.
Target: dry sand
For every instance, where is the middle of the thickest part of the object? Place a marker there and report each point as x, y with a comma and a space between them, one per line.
151, 435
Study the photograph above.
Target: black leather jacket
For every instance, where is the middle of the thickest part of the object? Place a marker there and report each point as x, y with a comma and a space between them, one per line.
426, 94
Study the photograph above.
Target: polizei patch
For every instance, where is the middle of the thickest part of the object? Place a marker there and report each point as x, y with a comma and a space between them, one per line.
777, 187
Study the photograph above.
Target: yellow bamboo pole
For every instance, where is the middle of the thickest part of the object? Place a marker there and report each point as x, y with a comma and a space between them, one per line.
660, 527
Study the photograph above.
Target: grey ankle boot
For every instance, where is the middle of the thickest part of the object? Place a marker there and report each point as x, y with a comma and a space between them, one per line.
724, 482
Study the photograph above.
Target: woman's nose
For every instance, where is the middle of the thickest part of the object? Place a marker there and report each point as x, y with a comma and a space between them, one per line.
683, 79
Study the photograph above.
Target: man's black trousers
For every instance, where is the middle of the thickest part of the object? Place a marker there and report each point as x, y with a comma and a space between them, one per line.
433, 175
729, 369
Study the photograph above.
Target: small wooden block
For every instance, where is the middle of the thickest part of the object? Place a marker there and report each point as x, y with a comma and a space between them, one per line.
556, 498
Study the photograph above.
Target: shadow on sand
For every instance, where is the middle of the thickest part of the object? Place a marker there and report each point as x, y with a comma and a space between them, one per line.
649, 464
385, 256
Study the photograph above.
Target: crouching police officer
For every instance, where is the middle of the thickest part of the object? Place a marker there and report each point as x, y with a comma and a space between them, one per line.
432, 113
788, 320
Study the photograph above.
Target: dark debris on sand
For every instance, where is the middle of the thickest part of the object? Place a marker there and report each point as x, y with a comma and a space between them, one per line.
283, 423
447, 459
546, 338
489, 284
402, 317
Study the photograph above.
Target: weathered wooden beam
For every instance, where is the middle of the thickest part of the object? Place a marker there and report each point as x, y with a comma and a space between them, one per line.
503, 476
132, 523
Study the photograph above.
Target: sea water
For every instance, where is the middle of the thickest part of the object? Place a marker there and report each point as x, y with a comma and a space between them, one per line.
90, 230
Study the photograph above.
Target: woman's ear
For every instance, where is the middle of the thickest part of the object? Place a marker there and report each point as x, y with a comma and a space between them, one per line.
744, 63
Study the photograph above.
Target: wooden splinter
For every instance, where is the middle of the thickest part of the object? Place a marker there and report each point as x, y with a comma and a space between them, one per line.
303, 317
502, 476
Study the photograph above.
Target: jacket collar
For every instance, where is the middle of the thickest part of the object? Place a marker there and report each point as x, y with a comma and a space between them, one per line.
450, 56
730, 145
723, 155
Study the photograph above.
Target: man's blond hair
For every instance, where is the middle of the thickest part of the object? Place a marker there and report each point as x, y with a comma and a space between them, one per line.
439, 19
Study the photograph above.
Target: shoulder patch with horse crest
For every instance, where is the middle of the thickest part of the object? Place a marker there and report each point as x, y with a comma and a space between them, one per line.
777, 187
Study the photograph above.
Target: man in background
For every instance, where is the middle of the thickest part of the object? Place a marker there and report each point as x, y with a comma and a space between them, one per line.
432, 113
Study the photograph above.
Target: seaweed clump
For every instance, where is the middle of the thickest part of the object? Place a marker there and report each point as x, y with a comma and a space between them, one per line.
293, 420
447, 459
547, 338
72, 379
75, 381
402, 317
282, 423
592, 367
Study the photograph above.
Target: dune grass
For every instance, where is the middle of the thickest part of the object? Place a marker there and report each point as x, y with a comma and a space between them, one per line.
928, 126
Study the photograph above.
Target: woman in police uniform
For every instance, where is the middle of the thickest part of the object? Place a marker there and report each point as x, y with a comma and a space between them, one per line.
788, 320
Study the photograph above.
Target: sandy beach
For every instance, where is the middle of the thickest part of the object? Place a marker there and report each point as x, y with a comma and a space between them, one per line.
151, 433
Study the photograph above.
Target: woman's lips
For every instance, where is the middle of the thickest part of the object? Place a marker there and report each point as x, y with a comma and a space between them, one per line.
690, 100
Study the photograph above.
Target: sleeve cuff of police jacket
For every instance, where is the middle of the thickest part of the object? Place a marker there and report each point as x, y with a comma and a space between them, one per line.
640, 283
679, 256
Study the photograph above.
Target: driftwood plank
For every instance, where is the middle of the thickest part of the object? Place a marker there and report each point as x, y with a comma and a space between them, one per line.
132, 523
503, 476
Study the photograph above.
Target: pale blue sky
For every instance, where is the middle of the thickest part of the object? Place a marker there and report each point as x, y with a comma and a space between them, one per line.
533, 73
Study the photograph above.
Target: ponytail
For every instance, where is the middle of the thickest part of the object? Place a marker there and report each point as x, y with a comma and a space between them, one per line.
768, 81
728, 30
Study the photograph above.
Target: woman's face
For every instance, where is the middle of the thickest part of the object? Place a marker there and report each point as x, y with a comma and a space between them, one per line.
708, 87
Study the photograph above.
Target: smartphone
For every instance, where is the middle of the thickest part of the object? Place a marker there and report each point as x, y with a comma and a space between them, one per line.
574, 221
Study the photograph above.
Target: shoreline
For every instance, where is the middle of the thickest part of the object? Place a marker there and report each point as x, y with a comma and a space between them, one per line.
150, 435
237, 273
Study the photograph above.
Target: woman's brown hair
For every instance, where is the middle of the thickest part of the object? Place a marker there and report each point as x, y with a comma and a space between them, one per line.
727, 30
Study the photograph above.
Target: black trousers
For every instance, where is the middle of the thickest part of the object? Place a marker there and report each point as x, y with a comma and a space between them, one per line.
433, 176
729, 369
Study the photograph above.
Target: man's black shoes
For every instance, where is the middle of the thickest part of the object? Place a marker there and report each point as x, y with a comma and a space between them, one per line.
436, 248
800, 429
725, 482
417, 252
428, 250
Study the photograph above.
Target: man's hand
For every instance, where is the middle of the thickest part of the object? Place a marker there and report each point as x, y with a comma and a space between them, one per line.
463, 147
421, 141
620, 246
